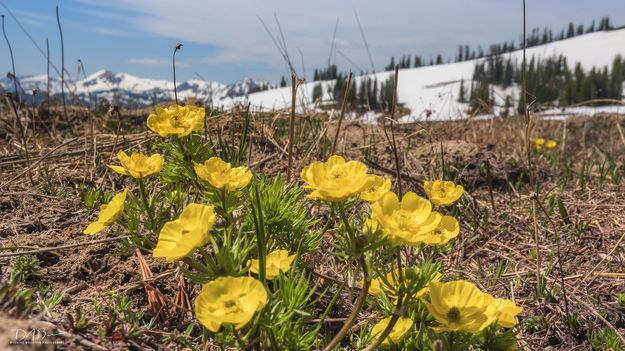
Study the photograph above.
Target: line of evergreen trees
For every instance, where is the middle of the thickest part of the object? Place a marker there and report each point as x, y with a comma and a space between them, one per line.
549, 81
367, 94
534, 38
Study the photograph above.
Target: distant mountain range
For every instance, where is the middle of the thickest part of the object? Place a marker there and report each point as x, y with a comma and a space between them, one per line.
128, 90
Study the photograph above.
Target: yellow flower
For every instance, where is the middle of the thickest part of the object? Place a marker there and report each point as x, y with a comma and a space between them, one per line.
277, 262
232, 300
138, 165
405, 223
551, 144
176, 120
447, 229
178, 238
507, 311
109, 213
443, 193
460, 306
336, 180
220, 174
538, 142
398, 332
377, 189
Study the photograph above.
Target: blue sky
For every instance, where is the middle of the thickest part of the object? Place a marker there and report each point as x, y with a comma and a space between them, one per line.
225, 41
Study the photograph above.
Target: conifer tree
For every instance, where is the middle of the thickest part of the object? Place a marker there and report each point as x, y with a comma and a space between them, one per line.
461, 93
317, 92
571, 31
591, 28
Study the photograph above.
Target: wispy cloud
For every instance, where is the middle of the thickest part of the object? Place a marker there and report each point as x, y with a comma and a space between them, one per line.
148, 61
156, 62
233, 29
111, 31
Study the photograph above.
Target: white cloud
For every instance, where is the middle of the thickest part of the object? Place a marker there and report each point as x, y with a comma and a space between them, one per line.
156, 62
393, 28
148, 61
111, 31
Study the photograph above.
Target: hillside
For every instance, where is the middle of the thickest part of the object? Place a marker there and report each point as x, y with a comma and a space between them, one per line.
435, 88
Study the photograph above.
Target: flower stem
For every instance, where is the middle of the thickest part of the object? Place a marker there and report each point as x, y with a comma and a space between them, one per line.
357, 307
259, 223
146, 203
345, 221
398, 309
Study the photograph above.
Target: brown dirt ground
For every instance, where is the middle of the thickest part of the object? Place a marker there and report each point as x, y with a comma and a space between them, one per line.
496, 223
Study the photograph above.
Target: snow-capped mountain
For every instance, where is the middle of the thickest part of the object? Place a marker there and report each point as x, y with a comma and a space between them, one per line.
123, 88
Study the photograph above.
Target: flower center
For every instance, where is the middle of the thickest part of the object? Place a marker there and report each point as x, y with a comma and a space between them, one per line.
454, 315
441, 191
230, 303
337, 174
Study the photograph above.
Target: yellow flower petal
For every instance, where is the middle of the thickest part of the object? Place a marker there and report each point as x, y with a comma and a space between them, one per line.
109, 213
507, 312
180, 237
277, 262
138, 165
407, 222
177, 120
460, 306
94, 228
398, 332
447, 229
336, 180
443, 193
232, 300
220, 174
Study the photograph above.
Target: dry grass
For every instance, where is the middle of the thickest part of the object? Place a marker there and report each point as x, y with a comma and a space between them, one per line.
494, 249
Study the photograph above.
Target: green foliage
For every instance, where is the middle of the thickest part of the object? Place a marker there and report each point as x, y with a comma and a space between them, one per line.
291, 308
49, 187
51, 299
180, 158
287, 220
491, 340
606, 340
620, 299
15, 301
25, 267
92, 197
534, 324
122, 318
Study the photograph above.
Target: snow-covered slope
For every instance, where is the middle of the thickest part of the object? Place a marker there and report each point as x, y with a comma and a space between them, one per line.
435, 88
128, 89
425, 90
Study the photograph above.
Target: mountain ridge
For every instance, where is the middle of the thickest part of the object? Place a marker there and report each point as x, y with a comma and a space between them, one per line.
127, 89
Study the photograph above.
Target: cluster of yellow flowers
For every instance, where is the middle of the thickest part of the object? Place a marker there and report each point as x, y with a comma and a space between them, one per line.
232, 300
456, 305
542, 143
412, 221
409, 222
